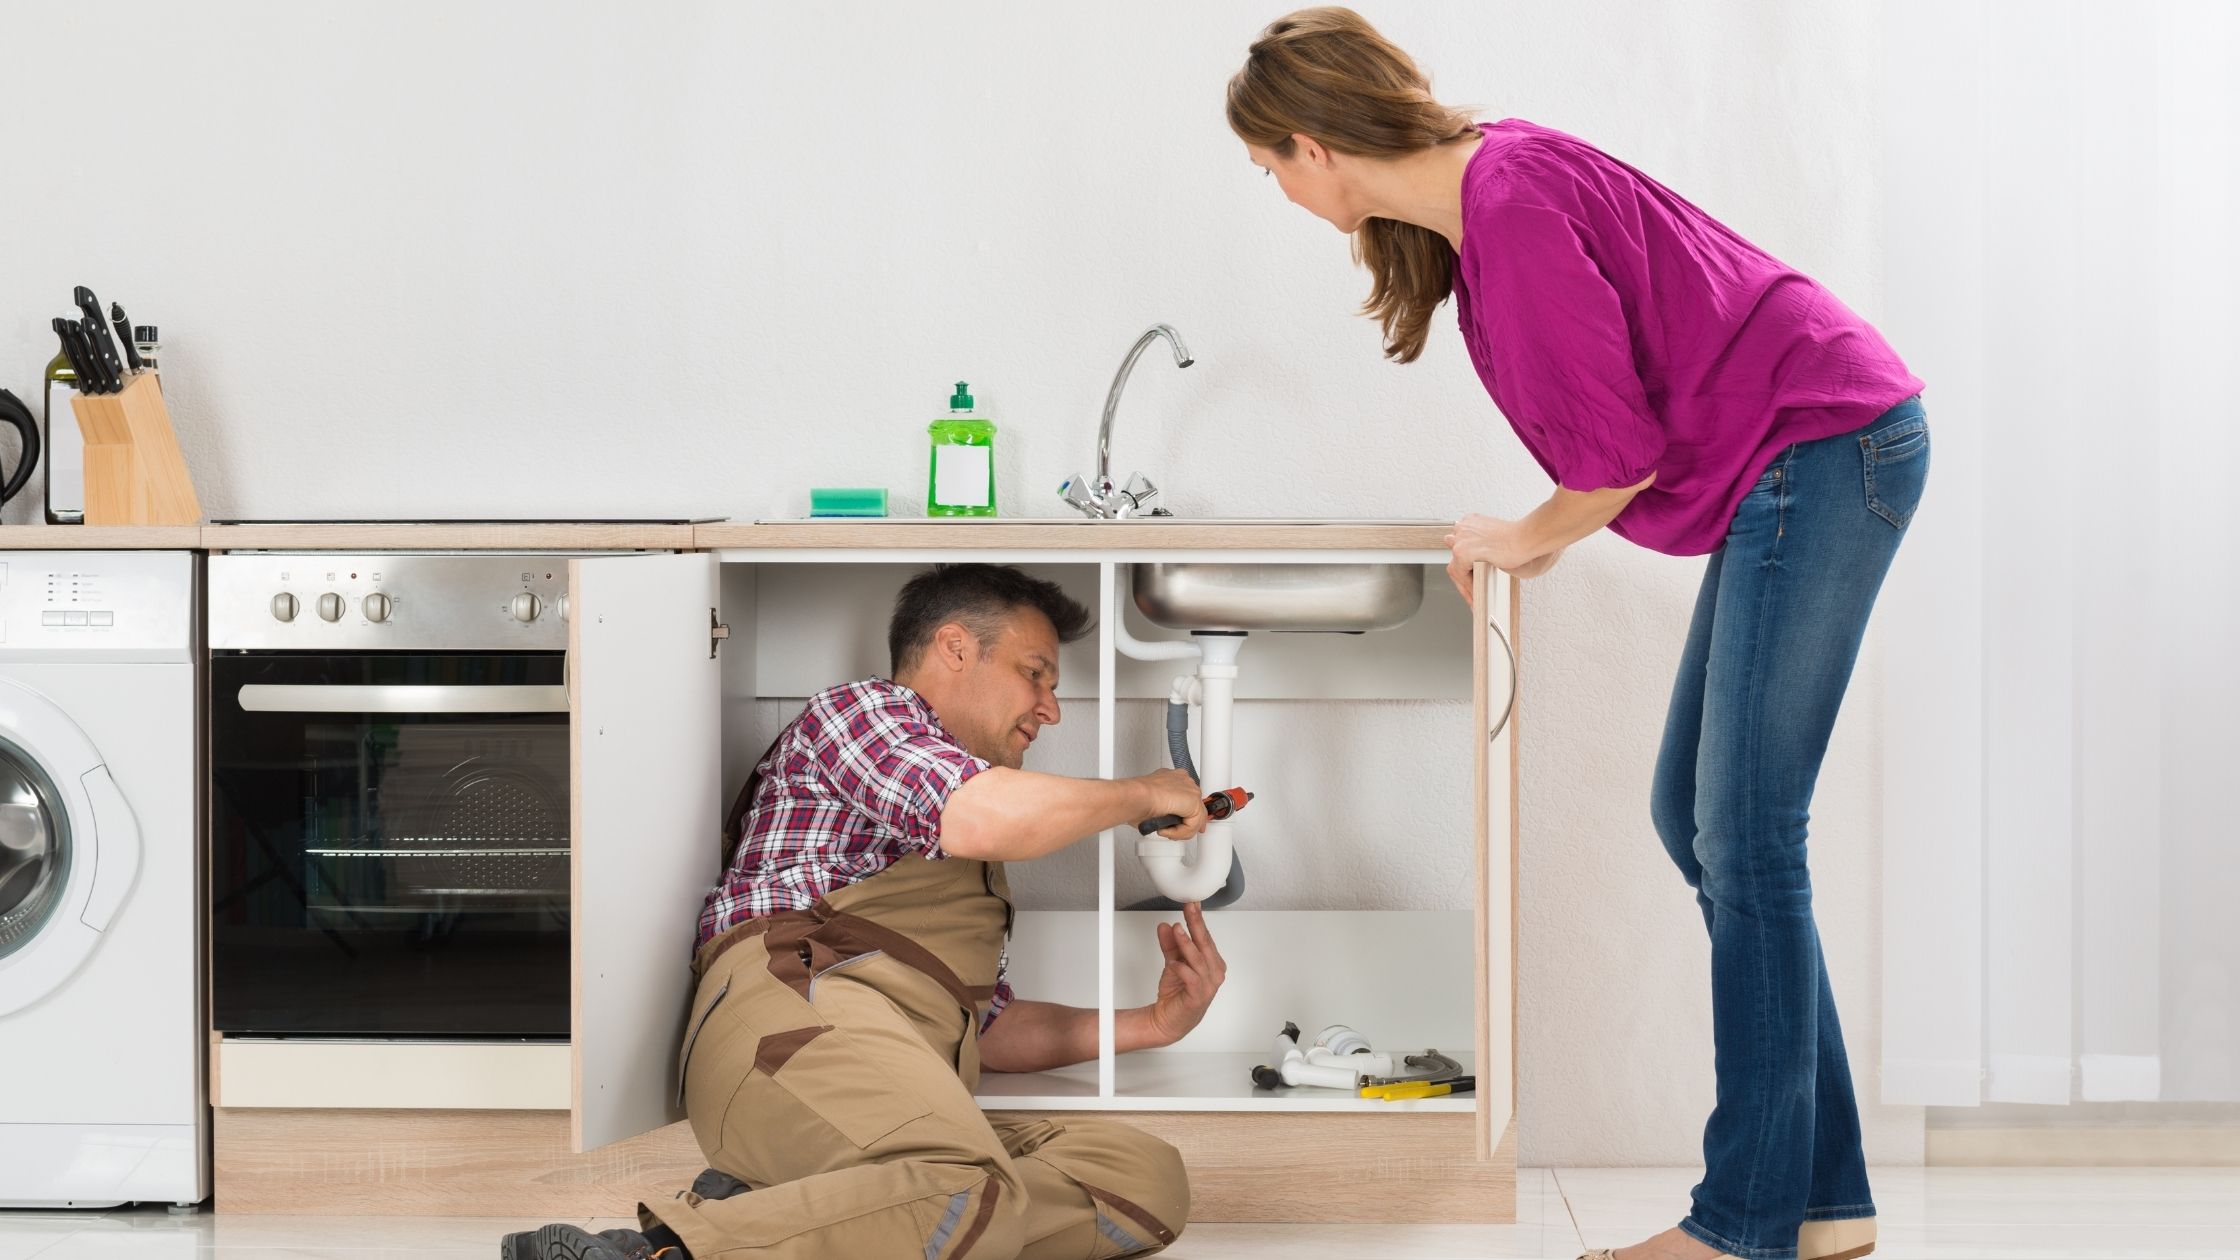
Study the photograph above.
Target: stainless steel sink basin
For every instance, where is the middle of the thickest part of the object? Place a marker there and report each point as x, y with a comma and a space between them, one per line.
1339, 597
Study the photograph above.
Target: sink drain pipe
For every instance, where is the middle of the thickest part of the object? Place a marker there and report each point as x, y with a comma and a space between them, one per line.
1216, 877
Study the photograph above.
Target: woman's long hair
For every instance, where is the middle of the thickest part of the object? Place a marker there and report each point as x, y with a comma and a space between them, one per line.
1326, 73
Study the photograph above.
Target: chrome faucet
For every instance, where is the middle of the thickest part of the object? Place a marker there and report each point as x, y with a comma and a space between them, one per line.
1100, 498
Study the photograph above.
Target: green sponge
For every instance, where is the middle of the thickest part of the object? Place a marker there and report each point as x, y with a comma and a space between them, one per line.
831, 502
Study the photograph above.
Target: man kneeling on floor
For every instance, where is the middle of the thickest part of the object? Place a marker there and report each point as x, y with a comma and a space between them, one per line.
851, 967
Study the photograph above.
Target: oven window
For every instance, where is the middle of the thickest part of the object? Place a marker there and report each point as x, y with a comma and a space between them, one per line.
390, 844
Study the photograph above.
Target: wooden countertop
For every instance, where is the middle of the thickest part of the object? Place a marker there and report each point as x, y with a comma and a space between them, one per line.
448, 536
100, 537
1169, 534
901, 534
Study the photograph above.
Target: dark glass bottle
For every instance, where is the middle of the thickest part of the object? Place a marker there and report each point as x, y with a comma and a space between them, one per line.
65, 475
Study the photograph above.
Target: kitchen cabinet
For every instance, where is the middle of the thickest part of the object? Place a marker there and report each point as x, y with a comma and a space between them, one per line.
666, 718
643, 725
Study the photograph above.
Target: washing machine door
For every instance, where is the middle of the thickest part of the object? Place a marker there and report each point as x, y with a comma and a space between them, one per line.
69, 847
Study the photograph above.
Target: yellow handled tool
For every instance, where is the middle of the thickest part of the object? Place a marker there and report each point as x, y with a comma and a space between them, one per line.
1419, 1089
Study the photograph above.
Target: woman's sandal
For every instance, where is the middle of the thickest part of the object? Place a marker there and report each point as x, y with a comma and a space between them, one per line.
1836, 1240
1816, 1240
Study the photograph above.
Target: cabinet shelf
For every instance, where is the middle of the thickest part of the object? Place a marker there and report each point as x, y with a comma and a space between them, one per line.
1184, 1080
1060, 1089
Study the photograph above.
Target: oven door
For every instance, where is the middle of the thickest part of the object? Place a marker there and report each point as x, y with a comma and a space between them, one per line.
389, 844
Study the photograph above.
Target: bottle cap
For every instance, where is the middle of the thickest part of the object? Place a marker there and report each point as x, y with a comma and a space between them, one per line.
960, 401
144, 332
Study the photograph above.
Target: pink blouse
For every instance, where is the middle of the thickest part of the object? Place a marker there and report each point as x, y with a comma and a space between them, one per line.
1623, 331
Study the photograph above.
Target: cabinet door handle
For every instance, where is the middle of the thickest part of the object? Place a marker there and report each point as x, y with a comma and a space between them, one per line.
1509, 651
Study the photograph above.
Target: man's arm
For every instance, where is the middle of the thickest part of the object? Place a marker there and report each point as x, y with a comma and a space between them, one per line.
1038, 1036
1006, 815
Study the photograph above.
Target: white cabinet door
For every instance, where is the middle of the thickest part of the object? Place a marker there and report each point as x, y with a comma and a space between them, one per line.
1493, 646
643, 699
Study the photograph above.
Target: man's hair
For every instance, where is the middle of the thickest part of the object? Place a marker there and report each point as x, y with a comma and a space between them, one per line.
979, 597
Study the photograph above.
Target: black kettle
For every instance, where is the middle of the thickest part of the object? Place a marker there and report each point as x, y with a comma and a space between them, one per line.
12, 411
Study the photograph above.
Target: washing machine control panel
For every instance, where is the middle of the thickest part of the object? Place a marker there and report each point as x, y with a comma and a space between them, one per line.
107, 601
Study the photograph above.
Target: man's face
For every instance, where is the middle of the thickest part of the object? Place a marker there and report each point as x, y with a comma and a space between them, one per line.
1010, 692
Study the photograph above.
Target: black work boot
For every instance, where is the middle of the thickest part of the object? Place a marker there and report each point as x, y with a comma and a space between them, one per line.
712, 1184
569, 1242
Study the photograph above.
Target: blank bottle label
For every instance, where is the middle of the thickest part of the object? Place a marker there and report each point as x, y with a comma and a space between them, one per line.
960, 476
66, 455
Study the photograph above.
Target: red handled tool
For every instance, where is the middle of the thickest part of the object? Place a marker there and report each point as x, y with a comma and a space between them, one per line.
1218, 806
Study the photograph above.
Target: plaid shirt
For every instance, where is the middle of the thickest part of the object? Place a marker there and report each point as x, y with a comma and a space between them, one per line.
854, 785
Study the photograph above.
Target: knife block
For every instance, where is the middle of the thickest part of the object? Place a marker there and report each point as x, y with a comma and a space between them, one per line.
135, 474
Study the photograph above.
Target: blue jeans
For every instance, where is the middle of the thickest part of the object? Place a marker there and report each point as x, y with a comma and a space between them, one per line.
1770, 650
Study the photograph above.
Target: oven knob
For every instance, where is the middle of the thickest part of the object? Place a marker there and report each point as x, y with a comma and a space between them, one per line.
376, 607
284, 607
526, 606
330, 606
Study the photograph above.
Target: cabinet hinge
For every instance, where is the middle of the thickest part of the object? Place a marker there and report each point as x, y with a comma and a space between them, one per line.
717, 633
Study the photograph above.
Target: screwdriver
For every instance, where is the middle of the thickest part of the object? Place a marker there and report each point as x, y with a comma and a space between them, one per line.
1218, 806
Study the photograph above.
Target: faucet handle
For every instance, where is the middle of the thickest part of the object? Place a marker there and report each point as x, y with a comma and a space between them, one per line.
1076, 492
1139, 491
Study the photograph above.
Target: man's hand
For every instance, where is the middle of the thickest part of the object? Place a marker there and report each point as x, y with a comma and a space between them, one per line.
1007, 815
1173, 792
1193, 974
1038, 1036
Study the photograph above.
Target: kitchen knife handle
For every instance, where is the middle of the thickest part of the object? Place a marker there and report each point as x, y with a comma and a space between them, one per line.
89, 363
97, 332
124, 335
95, 359
62, 330
81, 358
91, 334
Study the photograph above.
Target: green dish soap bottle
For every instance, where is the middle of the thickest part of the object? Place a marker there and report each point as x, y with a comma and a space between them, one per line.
961, 477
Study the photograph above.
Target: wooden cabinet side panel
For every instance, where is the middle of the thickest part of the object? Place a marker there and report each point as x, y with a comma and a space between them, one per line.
1496, 603
1516, 843
1481, 689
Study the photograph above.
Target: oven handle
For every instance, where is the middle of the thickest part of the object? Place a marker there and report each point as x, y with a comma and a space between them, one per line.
378, 698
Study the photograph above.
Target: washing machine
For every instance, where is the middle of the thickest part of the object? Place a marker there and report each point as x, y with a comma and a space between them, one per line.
102, 1024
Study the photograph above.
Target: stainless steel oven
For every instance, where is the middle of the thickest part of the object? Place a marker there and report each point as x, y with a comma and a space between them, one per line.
389, 795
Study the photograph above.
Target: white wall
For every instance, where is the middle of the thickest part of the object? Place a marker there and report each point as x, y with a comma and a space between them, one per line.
452, 259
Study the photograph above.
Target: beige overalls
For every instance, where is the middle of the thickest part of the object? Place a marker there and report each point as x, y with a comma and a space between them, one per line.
829, 1063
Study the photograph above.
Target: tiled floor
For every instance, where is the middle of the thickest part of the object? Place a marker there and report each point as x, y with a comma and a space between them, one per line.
1927, 1214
